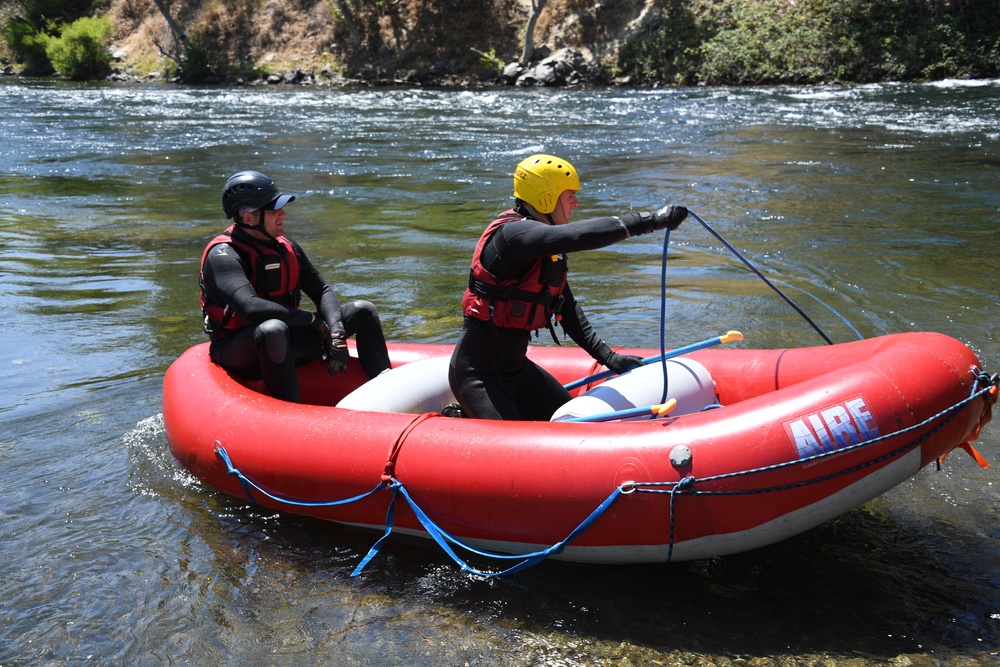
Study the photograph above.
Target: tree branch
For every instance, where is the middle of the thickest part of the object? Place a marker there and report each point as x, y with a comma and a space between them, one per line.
529, 31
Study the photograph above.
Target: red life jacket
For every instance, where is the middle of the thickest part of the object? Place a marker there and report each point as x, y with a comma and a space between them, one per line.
526, 302
273, 272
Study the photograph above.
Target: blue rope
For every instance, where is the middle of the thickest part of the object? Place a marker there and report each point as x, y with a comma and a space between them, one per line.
828, 307
442, 537
682, 485
663, 316
760, 275
445, 540
949, 412
248, 484
663, 298
389, 519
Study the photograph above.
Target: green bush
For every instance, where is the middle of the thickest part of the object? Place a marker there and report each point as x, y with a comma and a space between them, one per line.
666, 49
765, 42
491, 61
201, 62
27, 44
776, 41
81, 51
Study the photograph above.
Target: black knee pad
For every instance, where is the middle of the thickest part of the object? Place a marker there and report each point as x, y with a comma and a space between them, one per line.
273, 339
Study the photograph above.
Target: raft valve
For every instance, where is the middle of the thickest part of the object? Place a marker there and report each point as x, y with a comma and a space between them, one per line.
680, 456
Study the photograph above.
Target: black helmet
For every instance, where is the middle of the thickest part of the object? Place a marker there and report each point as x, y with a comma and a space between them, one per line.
253, 189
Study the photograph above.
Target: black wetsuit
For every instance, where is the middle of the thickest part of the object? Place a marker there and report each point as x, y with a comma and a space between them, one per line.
490, 374
280, 338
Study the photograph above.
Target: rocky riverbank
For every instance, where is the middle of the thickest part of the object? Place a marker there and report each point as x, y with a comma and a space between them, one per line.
562, 68
479, 43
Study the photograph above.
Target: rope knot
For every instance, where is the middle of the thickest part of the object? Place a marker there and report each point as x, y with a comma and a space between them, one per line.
985, 379
685, 484
389, 472
221, 452
991, 381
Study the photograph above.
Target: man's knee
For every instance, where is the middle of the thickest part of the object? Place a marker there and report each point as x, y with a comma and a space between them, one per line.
361, 317
367, 310
273, 339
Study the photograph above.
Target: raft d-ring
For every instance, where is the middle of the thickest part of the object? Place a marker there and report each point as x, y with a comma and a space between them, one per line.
627, 488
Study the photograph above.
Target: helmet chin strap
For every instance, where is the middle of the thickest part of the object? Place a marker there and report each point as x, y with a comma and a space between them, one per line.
259, 227
521, 209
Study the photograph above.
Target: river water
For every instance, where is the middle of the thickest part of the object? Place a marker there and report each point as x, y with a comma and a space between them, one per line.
875, 208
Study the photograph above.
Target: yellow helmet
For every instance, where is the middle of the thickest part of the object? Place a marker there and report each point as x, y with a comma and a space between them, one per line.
540, 179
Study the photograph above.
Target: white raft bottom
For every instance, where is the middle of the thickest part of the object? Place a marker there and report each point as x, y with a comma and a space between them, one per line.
422, 386
415, 388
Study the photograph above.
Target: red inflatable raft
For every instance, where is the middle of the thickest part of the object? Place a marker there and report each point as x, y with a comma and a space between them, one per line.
799, 437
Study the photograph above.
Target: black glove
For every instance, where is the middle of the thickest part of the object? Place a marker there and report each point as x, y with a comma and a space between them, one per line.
622, 363
334, 346
335, 353
670, 217
647, 223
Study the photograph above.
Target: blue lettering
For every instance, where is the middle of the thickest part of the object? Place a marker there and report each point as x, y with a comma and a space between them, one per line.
833, 428
841, 428
863, 418
805, 442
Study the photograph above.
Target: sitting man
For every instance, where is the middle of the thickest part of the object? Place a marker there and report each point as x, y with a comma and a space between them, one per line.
252, 278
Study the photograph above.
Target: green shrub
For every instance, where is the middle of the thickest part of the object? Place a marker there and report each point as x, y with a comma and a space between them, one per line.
765, 42
667, 49
778, 41
27, 44
81, 51
201, 62
491, 61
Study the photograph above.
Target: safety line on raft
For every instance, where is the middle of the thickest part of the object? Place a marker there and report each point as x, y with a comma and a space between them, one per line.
249, 484
443, 538
685, 485
815, 457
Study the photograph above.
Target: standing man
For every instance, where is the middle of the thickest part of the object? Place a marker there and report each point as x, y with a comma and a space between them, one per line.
252, 279
518, 282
